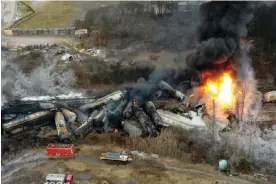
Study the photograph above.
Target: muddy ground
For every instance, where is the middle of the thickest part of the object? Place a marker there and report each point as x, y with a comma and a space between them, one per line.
31, 165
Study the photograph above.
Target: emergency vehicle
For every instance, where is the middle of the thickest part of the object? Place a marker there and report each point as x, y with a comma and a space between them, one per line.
115, 156
59, 179
60, 150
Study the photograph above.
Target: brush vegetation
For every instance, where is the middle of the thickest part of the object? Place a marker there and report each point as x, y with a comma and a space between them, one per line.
179, 144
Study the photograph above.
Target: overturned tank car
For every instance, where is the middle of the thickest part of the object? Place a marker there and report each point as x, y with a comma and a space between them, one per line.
24, 116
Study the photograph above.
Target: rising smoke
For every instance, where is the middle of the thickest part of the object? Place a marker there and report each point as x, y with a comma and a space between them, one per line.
132, 23
221, 28
222, 25
44, 79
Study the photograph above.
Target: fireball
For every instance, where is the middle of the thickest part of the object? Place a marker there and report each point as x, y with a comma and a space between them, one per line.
219, 94
226, 91
222, 90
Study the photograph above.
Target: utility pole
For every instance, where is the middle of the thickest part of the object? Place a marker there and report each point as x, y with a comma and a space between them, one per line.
214, 117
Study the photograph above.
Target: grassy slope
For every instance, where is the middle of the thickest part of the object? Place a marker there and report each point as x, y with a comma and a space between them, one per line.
52, 14
23, 10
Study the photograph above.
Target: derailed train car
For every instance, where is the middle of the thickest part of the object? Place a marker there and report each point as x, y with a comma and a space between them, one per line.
24, 116
128, 111
62, 130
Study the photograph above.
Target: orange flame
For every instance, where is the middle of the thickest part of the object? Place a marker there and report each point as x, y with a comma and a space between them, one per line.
222, 90
134, 101
190, 96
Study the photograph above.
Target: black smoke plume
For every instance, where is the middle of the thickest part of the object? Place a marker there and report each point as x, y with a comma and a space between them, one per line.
221, 26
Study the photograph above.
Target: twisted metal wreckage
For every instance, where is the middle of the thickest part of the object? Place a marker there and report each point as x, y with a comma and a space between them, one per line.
120, 111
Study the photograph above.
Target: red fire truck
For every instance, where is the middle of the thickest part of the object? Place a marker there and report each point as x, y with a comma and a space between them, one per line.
59, 179
60, 150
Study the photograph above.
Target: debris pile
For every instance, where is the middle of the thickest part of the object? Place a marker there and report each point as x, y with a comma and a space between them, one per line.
121, 111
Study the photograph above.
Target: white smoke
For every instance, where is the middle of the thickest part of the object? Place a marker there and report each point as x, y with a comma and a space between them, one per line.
259, 146
71, 95
45, 79
246, 140
250, 99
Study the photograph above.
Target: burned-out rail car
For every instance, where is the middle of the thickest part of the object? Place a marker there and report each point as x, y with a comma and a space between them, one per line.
24, 116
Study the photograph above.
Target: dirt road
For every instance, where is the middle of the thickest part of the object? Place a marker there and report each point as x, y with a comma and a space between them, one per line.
33, 166
26, 40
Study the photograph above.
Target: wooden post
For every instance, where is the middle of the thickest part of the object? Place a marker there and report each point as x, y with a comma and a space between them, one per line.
214, 117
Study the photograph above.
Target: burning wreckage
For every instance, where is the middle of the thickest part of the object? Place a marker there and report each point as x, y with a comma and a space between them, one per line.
120, 111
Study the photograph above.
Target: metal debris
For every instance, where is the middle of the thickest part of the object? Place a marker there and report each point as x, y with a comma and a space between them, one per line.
119, 111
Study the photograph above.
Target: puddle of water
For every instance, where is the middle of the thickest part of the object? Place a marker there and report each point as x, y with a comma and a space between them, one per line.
90, 160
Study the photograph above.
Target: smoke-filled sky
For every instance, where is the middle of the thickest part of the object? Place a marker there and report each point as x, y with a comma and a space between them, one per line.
222, 24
